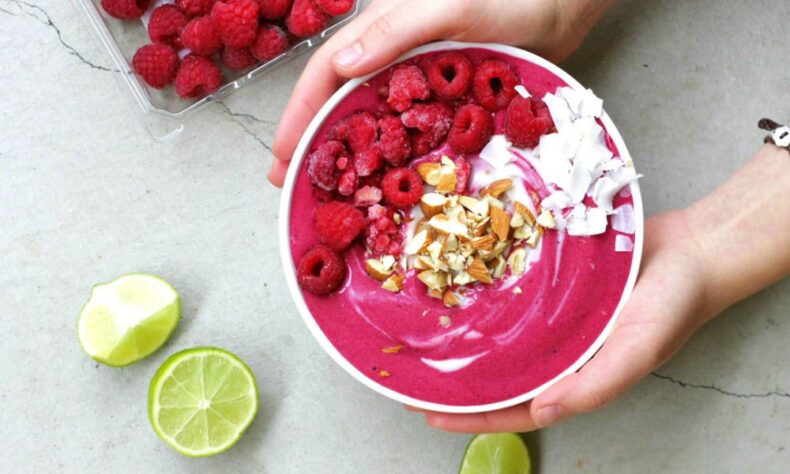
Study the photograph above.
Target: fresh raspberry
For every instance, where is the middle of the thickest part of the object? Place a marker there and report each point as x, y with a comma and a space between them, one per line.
450, 75
357, 130
270, 42
408, 83
197, 76
348, 183
306, 19
338, 224
156, 64
402, 187
526, 121
201, 37
125, 9
494, 84
274, 9
195, 7
393, 141
321, 165
335, 7
382, 235
321, 271
372, 180
237, 59
367, 196
367, 162
432, 121
166, 24
472, 128
236, 21
462, 174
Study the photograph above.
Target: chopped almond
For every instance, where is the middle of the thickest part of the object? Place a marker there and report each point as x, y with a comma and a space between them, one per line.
432, 204
447, 182
393, 283
497, 188
450, 299
392, 350
433, 280
525, 213
500, 223
418, 243
485, 242
478, 270
546, 219
377, 269
429, 172
517, 261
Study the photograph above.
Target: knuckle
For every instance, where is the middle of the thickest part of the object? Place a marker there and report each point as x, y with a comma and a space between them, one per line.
383, 26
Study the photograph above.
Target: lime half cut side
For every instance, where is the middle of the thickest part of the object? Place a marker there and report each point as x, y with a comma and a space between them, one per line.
128, 319
501, 453
201, 400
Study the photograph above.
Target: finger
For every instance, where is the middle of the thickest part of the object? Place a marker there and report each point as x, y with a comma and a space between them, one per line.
400, 30
277, 172
316, 84
517, 418
644, 340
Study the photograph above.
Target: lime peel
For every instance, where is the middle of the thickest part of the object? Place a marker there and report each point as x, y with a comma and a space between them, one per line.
497, 453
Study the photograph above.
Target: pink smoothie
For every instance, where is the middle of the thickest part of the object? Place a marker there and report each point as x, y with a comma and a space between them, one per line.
504, 343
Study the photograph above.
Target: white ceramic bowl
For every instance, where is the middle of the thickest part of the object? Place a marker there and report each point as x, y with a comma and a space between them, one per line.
290, 270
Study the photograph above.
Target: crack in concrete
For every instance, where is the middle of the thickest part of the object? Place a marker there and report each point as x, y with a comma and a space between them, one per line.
26, 8
234, 116
681, 383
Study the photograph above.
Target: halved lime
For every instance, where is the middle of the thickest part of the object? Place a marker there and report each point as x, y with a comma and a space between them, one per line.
201, 400
500, 453
128, 318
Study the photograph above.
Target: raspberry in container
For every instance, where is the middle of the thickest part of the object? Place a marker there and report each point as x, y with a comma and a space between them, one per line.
178, 56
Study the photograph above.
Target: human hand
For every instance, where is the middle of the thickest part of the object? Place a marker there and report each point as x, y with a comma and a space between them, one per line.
668, 304
388, 28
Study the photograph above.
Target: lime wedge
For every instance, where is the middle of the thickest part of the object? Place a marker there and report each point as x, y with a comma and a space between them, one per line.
501, 453
201, 400
128, 318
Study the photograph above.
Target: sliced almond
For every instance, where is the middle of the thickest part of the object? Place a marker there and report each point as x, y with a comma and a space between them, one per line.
377, 270
447, 181
478, 270
418, 243
525, 213
546, 219
393, 283
485, 242
497, 188
433, 280
517, 261
500, 223
429, 172
450, 299
432, 204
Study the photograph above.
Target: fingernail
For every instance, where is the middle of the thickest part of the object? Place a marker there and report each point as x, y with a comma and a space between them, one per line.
549, 415
349, 56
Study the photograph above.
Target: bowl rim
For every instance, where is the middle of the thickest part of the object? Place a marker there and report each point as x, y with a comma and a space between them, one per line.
290, 269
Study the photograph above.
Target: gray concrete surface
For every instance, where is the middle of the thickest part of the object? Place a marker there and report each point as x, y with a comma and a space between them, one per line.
86, 195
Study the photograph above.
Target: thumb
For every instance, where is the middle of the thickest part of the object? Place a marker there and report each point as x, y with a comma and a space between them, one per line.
407, 26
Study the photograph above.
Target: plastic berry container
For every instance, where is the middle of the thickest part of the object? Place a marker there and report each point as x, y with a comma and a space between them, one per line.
163, 113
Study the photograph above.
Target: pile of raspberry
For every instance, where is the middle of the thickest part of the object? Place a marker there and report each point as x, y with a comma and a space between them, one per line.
362, 175
236, 33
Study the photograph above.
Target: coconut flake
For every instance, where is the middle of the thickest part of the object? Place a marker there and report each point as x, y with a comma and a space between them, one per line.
592, 105
585, 221
556, 201
623, 243
560, 111
610, 184
522, 91
497, 152
624, 219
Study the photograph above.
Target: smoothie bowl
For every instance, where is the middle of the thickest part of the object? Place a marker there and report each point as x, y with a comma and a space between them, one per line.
461, 229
